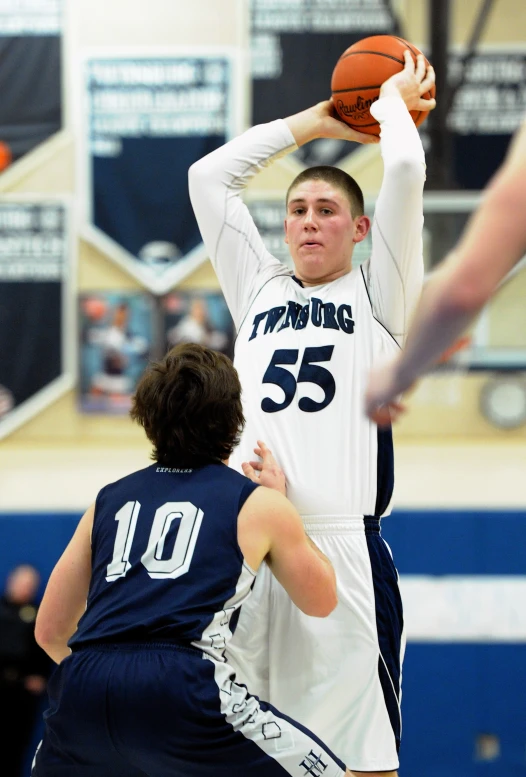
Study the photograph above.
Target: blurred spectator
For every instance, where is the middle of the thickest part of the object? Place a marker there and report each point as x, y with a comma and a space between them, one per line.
196, 327
24, 666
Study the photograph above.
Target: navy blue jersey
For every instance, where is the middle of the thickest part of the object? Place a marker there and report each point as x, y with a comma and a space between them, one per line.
166, 563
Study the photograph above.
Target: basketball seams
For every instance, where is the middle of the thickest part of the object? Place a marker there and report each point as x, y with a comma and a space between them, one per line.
349, 85
413, 51
377, 53
360, 127
356, 89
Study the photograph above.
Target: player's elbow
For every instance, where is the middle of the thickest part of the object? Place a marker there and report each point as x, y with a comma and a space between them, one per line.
44, 635
410, 171
196, 176
322, 604
328, 606
48, 634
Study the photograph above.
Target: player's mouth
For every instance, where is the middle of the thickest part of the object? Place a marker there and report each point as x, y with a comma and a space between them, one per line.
311, 244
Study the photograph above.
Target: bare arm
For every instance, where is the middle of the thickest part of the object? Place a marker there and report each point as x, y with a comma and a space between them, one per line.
66, 593
270, 528
492, 243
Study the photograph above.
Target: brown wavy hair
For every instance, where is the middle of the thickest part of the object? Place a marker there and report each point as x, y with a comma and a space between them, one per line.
189, 404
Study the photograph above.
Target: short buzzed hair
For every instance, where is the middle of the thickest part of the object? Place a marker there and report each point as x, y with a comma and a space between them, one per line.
335, 177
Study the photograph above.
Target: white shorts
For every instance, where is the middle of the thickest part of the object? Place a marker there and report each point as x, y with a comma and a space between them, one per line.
339, 676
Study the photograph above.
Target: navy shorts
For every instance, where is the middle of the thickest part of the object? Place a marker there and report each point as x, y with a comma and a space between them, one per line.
167, 711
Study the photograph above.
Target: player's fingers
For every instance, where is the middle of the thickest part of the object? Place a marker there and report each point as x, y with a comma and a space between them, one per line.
420, 69
344, 132
248, 471
361, 137
266, 454
256, 465
427, 105
428, 81
396, 409
409, 61
262, 448
381, 416
385, 415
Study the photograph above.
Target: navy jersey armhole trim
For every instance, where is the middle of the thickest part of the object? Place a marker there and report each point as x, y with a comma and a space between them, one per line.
372, 310
248, 488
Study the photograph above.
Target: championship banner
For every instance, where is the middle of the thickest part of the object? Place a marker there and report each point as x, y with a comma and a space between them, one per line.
147, 119
295, 45
486, 111
36, 312
30, 76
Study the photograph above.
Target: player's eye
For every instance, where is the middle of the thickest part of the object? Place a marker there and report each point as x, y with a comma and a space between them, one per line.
326, 211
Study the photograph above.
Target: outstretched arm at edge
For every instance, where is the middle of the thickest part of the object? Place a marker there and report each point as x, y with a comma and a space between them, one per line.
492, 243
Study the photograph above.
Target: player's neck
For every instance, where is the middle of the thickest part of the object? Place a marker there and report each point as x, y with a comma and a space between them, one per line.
322, 279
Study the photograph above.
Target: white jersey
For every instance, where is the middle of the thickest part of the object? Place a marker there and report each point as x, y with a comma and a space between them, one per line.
304, 354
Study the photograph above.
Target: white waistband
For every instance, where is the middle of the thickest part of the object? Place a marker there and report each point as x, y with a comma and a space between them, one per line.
334, 524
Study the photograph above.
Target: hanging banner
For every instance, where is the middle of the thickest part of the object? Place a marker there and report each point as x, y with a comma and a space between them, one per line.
486, 111
147, 119
30, 76
36, 315
295, 45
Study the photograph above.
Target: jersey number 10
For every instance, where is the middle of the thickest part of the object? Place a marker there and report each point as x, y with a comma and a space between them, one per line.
189, 517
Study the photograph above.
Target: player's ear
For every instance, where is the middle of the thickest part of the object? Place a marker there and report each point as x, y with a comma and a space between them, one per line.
362, 225
286, 231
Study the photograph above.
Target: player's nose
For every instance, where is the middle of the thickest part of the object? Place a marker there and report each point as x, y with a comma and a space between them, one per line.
309, 221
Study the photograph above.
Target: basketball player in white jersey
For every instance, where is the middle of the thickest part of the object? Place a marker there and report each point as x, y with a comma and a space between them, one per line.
492, 244
305, 344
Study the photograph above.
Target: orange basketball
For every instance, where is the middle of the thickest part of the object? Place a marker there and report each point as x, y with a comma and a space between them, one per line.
360, 72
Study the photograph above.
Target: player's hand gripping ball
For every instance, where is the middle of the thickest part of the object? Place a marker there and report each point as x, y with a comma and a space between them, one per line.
360, 72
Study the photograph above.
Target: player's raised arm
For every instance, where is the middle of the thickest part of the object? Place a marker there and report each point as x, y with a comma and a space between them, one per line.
395, 271
321, 121
216, 185
492, 243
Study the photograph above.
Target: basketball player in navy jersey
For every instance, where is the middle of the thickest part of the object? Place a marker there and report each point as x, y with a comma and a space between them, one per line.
493, 243
306, 342
165, 558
